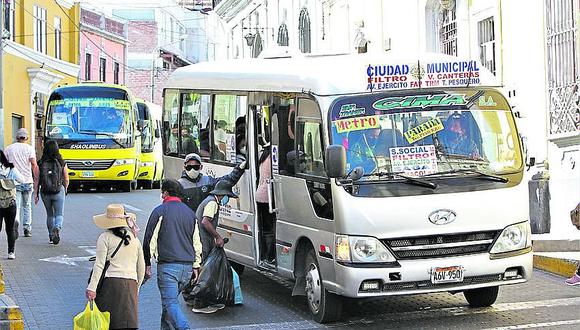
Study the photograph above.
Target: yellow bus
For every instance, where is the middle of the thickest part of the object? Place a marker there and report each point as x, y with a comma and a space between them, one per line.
151, 169
97, 128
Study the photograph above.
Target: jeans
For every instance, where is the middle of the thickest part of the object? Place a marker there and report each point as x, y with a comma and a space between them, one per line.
54, 204
171, 279
24, 205
7, 216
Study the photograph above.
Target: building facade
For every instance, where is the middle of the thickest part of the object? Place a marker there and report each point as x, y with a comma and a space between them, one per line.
40, 52
539, 71
103, 47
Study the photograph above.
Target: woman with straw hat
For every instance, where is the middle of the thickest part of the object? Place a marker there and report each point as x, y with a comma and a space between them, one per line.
119, 267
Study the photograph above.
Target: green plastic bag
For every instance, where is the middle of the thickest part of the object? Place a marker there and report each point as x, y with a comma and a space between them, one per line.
92, 319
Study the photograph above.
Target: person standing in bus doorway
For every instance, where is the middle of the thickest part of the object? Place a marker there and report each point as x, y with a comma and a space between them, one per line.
266, 220
23, 156
52, 185
207, 216
172, 238
196, 186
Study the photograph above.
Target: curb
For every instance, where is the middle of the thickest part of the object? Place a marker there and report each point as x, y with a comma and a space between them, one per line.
10, 314
558, 266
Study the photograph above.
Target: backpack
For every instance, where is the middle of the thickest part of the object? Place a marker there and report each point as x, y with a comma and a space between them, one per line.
7, 192
51, 180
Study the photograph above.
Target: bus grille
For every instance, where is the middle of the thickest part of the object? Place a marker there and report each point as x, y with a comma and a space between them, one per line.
436, 246
84, 165
419, 285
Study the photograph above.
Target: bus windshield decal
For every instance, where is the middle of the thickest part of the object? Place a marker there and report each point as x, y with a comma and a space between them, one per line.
422, 101
423, 130
92, 102
357, 123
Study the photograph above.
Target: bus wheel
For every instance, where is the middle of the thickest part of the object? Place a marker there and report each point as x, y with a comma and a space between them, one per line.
482, 297
126, 186
324, 306
239, 268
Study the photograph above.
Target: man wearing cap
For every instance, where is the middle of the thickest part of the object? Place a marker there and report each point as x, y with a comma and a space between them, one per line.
23, 156
207, 216
172, 237
196, 186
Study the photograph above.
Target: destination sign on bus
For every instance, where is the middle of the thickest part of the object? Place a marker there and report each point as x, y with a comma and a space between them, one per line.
419, 101
92, 103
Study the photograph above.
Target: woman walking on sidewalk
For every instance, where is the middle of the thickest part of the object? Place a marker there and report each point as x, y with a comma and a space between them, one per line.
119, 268
52, 185
9, 177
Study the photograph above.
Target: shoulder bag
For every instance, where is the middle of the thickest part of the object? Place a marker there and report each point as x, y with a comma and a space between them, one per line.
105, 267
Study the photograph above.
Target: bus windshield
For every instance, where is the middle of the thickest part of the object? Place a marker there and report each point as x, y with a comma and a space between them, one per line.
147, 132
89, 113
427, 133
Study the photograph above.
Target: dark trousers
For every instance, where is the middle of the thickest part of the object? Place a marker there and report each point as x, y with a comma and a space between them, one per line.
267, 227
8, 216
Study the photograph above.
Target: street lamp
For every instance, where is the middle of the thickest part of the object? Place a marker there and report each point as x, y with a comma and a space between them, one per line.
155, 57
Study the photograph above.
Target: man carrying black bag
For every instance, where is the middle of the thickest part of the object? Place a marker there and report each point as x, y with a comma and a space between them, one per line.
207, 216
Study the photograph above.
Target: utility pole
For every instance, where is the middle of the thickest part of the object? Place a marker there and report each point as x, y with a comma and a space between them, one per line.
2, 131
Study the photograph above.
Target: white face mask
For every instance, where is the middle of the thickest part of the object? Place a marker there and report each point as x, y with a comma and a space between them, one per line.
192, 173
243, 150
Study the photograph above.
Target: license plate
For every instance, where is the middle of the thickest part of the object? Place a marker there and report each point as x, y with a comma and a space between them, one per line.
88, 174
453, 274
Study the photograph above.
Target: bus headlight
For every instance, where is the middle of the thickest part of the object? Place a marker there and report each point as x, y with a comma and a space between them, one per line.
119, 162
361, 250
513, 238
147, 164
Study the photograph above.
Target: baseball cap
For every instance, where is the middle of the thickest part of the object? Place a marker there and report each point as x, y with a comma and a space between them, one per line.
192, 156
22, 133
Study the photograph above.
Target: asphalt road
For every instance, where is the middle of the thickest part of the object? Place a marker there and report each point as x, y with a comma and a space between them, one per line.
48, 282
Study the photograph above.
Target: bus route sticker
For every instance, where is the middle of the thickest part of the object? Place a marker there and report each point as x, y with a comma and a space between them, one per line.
414, 161
423, 130
275, 159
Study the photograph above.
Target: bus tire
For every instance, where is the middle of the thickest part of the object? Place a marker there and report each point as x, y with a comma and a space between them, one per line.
239, 268
126, 186
323, 305
482, 297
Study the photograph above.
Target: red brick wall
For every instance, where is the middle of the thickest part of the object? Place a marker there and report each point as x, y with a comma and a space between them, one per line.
139, 81
142, 36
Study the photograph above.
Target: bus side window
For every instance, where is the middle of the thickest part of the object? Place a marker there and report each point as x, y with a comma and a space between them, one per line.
229, 127
310, 150
190, 114
171, 123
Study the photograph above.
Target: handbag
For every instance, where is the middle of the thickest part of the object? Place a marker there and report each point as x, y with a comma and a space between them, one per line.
105, 267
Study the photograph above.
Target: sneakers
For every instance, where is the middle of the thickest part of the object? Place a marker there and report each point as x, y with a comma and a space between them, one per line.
219, 306
55, 236
27, 232
11, 256
574, 280
205, 310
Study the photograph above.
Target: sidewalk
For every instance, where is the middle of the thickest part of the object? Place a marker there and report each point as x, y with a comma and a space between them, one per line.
557, 256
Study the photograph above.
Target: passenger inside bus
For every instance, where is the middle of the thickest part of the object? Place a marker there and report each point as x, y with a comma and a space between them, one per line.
172, 143
370, 148
460, 137
188, 144
266, 220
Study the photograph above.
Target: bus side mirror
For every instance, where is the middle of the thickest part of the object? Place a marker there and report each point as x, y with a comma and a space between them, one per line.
335, 161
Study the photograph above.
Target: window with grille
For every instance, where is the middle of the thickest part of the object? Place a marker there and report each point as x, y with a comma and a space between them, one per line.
283, 35
304, 31
116, 71
57, 38
9, 25
40, 29
88, 64
562, 47
486, 36
103, 70
448, 32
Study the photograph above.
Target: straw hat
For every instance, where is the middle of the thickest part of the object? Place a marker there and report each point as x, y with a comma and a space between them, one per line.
115, 217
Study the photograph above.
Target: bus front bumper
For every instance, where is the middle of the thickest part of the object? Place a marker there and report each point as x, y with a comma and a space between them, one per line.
124, 172
414, 276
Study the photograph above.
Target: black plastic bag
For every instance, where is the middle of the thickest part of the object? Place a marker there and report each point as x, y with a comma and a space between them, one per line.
215, 283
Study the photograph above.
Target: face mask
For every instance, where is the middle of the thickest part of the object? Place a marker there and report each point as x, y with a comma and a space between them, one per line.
243, 150
225, 200
192, 173
161, 197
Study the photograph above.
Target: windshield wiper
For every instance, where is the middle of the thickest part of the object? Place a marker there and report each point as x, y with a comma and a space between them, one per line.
408, 179
94, 132
482, 175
